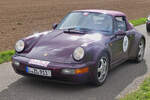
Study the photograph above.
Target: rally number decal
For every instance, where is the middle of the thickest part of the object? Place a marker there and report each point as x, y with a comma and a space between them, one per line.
125, 43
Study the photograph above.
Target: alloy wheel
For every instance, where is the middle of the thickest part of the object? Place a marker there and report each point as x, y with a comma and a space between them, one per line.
102, 69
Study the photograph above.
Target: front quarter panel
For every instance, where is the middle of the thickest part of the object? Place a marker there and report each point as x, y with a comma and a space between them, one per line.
94, 51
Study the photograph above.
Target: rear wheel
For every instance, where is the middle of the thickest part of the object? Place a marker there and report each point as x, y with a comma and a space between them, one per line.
141, 51
101, 70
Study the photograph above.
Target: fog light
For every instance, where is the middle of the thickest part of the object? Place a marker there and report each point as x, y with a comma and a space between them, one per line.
68, 71
16, 63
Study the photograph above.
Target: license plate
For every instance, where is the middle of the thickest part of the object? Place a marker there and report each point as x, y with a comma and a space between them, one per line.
40, 72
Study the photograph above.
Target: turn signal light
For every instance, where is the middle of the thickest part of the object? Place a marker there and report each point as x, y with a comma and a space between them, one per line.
82, 70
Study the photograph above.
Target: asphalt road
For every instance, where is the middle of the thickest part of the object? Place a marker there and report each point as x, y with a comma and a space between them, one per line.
121, 80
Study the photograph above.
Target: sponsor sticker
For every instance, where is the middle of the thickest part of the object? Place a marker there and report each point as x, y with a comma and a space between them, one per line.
39, 62
125, 43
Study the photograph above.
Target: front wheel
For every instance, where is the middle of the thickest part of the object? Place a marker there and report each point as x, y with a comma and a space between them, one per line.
141, 51
101, 70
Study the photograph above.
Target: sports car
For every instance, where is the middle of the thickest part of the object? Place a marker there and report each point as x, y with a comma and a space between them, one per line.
82, 48
148, 24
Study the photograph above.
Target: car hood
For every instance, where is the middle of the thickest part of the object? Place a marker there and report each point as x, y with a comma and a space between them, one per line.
58, 46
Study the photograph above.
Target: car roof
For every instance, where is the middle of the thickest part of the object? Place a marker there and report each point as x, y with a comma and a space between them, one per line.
109, 12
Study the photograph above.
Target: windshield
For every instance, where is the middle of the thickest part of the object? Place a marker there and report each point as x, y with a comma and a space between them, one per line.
87, 20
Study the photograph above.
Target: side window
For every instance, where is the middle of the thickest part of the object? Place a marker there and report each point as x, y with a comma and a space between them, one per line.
120, 24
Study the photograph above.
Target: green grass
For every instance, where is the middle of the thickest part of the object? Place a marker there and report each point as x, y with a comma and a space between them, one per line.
143, 93
6, 56
138, 21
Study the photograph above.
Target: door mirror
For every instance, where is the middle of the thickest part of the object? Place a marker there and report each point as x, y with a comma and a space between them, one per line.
120, 33
54, 26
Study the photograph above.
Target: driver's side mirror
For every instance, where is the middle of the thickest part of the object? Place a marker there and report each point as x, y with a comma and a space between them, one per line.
54, 26
120, 33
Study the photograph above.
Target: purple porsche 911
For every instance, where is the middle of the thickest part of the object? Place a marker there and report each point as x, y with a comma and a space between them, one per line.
83, 47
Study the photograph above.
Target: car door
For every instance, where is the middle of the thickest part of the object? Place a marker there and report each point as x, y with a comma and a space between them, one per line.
119, 41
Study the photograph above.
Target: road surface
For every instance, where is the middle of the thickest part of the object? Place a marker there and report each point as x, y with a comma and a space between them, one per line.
121, 80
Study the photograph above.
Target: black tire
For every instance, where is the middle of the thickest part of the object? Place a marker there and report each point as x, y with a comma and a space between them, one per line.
139, 57
95, 79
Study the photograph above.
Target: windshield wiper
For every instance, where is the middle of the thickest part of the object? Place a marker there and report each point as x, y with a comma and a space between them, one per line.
85, 29
73, 30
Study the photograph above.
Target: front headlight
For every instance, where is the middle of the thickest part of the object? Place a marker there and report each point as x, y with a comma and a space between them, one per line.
78, 53
19, 46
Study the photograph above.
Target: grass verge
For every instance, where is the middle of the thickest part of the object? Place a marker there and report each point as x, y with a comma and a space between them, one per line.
6, 56
143, 93
138, 21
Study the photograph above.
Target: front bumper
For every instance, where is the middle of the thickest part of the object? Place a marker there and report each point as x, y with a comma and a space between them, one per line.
56, 70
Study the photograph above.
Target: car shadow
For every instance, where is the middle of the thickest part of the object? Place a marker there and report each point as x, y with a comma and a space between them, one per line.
34, 89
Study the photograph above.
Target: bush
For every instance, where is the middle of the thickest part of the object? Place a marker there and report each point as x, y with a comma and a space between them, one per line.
6, 56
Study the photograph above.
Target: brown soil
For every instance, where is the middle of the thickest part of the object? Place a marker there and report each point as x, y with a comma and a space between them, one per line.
20, 18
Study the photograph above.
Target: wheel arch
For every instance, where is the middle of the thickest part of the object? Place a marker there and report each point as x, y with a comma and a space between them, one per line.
134, 48
98, 54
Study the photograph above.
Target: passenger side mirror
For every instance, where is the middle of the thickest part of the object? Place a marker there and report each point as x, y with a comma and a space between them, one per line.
54, 26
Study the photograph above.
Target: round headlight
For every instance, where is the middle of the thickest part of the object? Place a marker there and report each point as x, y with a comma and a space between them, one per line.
78, 53
20, 46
